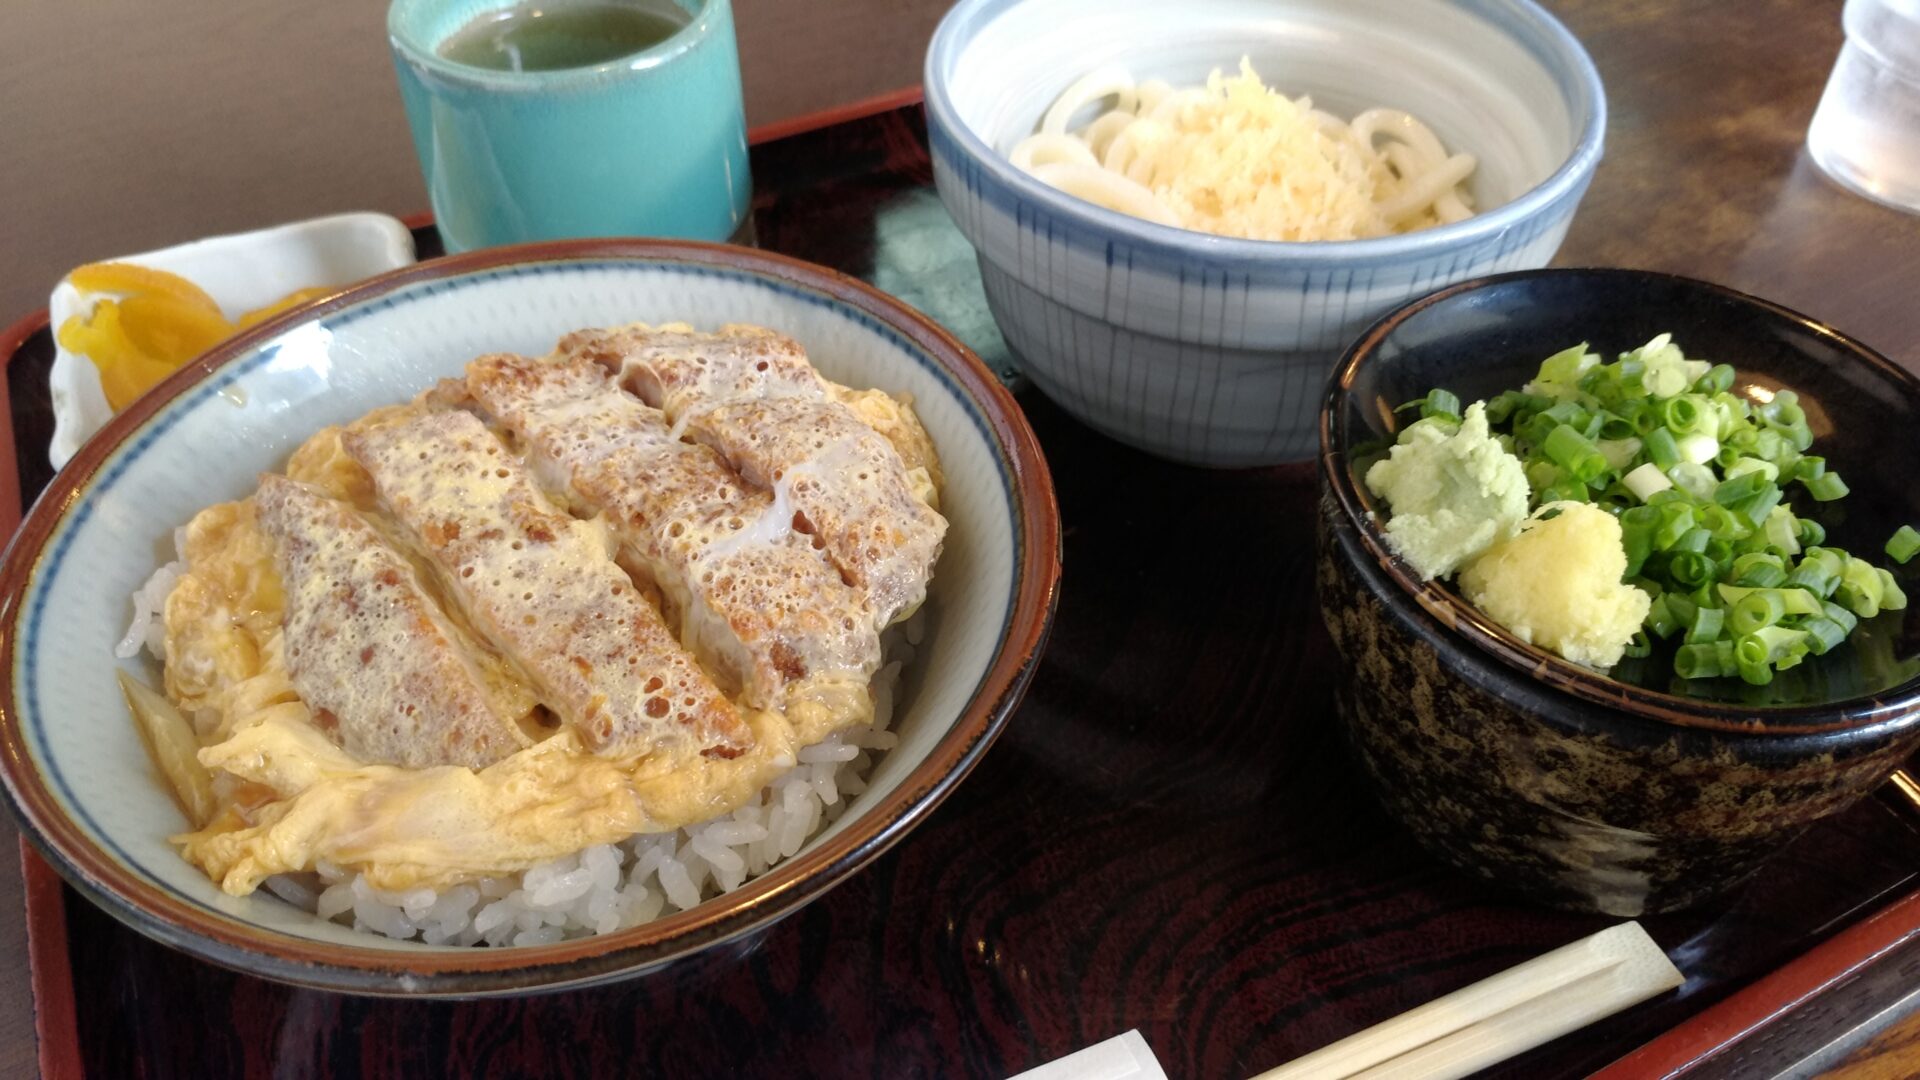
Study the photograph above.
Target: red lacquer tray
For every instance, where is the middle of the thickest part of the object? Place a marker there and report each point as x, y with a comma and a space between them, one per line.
1170, 836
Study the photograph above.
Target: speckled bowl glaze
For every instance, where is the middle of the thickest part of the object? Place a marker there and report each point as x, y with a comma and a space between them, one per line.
1211, 350
81, 782
1581, 790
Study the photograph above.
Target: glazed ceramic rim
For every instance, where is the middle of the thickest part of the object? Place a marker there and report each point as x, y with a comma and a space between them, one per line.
1531, 661
1569, 65
425, 57
477, 972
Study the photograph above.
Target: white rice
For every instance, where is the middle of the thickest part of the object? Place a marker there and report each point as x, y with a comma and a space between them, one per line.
148, 631
607, 887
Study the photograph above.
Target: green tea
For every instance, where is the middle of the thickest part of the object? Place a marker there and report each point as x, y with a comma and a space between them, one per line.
550, 37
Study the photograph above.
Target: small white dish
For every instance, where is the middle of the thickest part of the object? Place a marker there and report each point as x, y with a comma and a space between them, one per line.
242, 272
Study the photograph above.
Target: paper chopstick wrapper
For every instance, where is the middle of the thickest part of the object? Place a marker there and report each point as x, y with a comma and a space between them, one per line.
1502, 1015
1123, 1057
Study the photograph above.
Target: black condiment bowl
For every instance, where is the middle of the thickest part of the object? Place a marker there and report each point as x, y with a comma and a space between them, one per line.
1637, 793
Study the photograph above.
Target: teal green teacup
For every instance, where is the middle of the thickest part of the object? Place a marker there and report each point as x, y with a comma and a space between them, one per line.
652, 143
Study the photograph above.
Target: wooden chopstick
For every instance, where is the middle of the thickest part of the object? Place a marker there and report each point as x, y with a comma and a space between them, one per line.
1501, 1015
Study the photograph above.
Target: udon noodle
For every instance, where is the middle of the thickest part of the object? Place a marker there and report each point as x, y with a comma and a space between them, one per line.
1236, 158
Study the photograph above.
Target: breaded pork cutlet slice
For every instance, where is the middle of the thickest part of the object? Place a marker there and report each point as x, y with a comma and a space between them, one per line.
387, 675
753, 396
754, 600
544, 589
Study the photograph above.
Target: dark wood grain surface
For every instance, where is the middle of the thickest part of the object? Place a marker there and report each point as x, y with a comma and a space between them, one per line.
1170, 836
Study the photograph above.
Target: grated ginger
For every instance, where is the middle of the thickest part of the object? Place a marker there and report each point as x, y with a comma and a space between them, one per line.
1557, 584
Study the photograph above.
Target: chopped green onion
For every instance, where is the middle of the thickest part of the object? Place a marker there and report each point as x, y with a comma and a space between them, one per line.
1814, 578
1737, 489
1892, 597
1698, 662
1699, 448
1841, 615
1441, 403
1637, 541
1757, 609
1756, 508
1619, 452
1753, 658
1645, 480
1617, 428
1902, 546
1759, 570
1566, 490
1826, 487
1690, 568
1741, 466
1660, 621
1860, 589
1694, 539
1770, 446
1570, 413
1571, 451
1535, 429
1823, 634
1721, 552
1780, 531
1681, 415
1542, 475
1792, 601
1682, 607
1641, 517
1782, 642
1706, 625
1721, 522
1694, 479
1810, 532
1560, 373
1661, 448
1676, 521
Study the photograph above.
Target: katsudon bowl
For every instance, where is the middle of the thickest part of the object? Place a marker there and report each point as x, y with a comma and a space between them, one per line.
93, 802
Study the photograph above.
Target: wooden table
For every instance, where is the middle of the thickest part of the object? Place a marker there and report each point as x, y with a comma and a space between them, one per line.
1001, 933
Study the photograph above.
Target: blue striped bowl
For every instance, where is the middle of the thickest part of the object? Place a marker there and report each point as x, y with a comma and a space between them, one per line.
1211, 350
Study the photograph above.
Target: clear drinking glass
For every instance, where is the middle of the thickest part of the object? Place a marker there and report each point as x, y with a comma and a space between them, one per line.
1866, 133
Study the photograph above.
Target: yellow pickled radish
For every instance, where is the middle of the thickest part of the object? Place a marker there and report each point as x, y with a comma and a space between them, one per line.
156, 322
167, 330
129, 280
125, 372
291, 300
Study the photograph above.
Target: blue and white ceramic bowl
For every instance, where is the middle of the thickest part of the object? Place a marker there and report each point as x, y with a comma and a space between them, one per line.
1212, 350
75, 768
